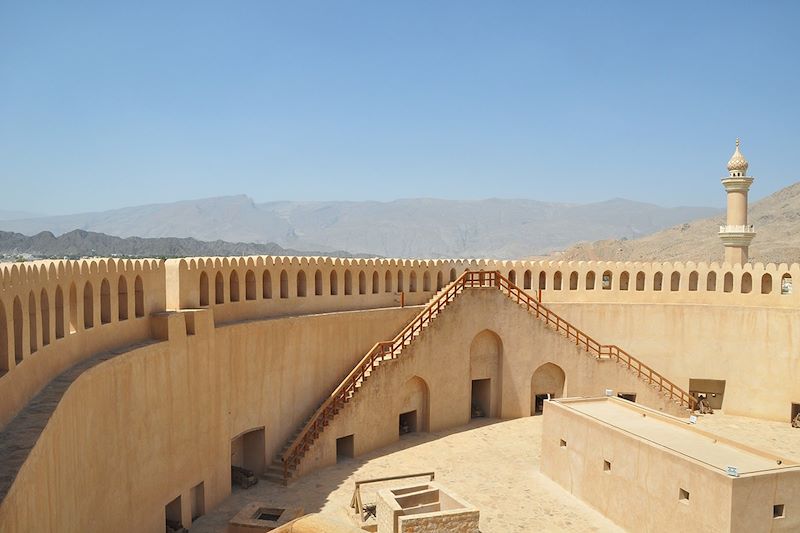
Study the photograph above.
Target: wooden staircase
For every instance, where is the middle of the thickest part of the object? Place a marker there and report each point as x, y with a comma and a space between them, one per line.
285, 463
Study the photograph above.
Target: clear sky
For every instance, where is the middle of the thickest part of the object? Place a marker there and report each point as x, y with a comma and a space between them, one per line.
110, 104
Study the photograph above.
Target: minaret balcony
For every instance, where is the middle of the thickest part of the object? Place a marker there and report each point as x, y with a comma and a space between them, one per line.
737, 235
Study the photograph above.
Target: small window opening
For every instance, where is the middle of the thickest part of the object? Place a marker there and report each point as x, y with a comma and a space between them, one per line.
563, 443
683, 496
345, 448
777, 511
606, 466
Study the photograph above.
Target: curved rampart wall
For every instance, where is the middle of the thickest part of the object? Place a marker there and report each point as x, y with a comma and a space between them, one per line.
55, 313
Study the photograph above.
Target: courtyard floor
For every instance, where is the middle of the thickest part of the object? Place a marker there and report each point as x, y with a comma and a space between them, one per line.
492, 464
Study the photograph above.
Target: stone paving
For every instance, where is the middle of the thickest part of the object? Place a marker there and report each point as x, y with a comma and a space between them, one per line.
494, 465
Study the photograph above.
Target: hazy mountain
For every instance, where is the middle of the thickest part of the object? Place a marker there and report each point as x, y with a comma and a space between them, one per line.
777, 222
79, 243
14, 215
418, 227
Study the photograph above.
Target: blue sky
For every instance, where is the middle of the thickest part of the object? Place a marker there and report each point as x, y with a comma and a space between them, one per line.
109, 104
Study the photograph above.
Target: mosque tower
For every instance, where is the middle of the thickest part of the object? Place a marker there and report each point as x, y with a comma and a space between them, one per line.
737, 234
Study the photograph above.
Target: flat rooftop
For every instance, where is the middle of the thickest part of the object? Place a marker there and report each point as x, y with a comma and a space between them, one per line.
677, 435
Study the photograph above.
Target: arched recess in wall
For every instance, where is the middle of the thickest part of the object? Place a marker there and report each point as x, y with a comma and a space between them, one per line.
766, 284
557, 281
727, 282
412, 282
439, 280
105, 302
387, 282
17, 318
711, 281
32, 321
138, 297
362, 283
284, 280
573, 281
249, 285
348, 283
4, 364
73, 308
376, 283
59, 313
414, 406
88, 306
219, 288
400, 284
608, 279
512, 276
334, 283
675, 282
203, 295
693, 276
747, 283
640, 281
300, 289
624, 280
44, 305
590, 280
527, 279
485, 362
548, 381
266, 285
658, 280
453, 275
426, 281
122, 296
234, 286
318, 283
543, 280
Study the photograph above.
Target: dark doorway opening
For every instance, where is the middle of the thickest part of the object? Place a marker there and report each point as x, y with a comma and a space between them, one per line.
173, 516
345, 448
538, 406
630, 396
795, 411
481, 402
408, 422
247, 458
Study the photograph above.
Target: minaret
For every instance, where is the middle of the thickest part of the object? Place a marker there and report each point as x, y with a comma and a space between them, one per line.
736, 234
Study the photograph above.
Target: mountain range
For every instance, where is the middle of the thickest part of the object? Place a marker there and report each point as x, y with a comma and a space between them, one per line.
79, 243
777, 224
420, 227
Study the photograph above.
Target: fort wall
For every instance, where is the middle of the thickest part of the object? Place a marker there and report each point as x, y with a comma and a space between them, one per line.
55, 313
249, 343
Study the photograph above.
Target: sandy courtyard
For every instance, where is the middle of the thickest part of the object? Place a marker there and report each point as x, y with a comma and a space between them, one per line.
492, 464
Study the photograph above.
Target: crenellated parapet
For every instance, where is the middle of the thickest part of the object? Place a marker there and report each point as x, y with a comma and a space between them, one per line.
54, 313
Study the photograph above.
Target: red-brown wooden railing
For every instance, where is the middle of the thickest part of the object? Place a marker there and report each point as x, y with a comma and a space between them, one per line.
387, 350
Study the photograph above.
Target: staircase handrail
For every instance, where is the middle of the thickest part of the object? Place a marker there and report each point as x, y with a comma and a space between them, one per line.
592, 346
472, 279
379, 350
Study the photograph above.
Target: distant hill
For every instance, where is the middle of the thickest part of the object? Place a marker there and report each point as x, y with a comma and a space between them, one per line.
420, 227
777, 222
79, 243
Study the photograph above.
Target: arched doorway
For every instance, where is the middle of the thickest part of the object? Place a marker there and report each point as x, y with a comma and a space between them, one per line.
414, 407
547, 382
485, 360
